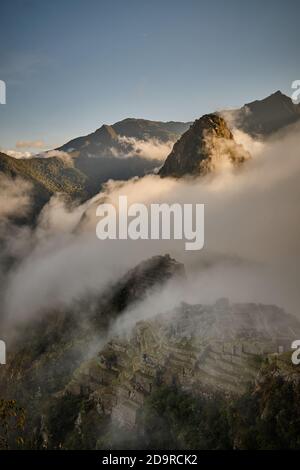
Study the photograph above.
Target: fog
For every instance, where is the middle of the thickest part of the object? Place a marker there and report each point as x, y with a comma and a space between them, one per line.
152, 149
251, 250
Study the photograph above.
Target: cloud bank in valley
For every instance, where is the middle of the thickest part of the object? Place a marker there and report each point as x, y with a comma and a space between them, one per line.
252, 241
17, 154
15, 197
151, 149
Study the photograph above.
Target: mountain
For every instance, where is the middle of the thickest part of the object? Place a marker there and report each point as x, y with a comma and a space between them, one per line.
263, 117
47, 176
107, 140
145, 129
209, 142
206, 146
92, 160
258, 117
59, 342
84, 387
53, 174
80, 167
116, 152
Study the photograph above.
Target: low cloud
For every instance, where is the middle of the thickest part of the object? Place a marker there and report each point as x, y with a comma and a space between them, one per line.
252, 237
58, 154
36, 144
17, 154
47, 154
152, 149
15, 197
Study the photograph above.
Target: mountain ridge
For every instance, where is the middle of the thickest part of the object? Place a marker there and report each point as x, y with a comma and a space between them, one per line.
110, 151
261, 118
129, 127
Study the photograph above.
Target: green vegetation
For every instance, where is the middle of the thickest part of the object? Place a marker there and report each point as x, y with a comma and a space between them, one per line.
174, 419
12, 421
51, 174
267, 417
73, 423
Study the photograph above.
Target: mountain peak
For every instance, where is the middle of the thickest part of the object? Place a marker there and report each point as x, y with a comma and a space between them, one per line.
277, 93
277, 97
206, 146
106, 132
263, 117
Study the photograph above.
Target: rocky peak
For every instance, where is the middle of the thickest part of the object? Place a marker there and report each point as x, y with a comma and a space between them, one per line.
263, 117
140, 280
106, 133
206, 146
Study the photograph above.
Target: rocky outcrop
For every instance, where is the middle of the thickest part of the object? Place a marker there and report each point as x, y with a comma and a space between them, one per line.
139, 280
207, 146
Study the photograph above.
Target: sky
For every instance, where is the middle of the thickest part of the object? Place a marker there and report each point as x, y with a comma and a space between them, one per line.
72, 65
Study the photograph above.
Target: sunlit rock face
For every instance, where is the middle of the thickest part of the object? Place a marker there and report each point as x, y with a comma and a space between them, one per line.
207, 146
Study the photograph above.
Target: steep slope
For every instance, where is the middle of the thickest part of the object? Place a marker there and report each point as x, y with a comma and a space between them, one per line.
206, 146
102, 142
47, 177
263, 117
75, 382
200, 348
57, 342
52, 174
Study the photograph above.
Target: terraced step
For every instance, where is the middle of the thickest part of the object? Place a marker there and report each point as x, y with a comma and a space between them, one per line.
208, 379
240, 368
222, 376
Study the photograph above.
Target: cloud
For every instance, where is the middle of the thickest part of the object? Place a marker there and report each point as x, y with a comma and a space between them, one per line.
47, 154
58, 154
252, 238
37, 144
253, 146
235, 117
17, 154
15, 197
152, 149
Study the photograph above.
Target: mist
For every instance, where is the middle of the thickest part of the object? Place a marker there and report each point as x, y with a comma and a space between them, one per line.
152, 149
251, 249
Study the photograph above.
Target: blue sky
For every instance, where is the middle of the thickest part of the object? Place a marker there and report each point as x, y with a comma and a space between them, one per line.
71, 65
